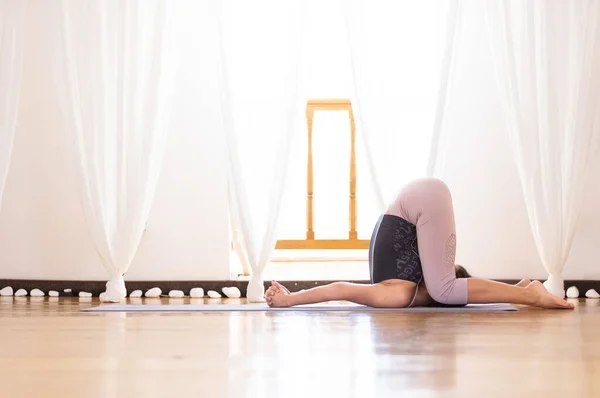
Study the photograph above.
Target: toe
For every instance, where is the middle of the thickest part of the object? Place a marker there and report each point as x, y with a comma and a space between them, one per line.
570, 305
566, 304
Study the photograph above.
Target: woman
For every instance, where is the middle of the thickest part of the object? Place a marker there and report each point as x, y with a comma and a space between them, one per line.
411, 259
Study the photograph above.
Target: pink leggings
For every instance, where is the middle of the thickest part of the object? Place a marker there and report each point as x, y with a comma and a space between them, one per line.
427, 203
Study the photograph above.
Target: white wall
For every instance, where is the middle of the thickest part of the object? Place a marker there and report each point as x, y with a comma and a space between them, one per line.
42, 227
43, 233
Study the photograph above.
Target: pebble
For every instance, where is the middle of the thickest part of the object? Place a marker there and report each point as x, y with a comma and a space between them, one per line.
232, 292
573, 292
154, 292
176, 294
7, 291
592, 294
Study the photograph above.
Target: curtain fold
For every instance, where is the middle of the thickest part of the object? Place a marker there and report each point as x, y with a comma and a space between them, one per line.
436, 155
400, 85
260, 72
11, 66
547, 56
121, 62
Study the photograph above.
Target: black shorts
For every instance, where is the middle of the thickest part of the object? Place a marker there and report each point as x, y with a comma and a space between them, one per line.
393, 251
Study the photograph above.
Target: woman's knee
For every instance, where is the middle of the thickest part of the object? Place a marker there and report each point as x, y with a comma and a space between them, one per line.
433, 186
425, 193
453, 292
431, 190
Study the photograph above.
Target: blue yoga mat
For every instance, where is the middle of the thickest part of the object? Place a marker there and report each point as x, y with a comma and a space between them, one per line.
263, 307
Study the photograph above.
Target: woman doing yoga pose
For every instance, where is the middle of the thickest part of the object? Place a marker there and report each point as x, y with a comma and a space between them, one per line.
411, 259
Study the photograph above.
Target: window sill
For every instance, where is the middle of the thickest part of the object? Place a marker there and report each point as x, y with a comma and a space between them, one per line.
322, 270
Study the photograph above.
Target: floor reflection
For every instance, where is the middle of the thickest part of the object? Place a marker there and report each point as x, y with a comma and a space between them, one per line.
295, 354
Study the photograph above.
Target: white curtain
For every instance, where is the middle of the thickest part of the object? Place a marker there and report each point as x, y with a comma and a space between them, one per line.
401, 53
260, 105
547, 55
121, 64
11, 61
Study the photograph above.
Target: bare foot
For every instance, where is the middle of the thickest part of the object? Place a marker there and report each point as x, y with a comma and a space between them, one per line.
523, 283
545, 299
277, 295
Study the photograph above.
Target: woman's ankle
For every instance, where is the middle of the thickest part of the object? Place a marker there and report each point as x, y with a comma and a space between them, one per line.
530, 296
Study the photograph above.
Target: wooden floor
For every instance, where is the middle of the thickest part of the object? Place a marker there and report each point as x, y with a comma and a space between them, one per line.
50, 349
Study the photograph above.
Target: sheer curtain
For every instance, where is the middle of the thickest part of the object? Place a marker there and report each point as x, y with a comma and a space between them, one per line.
400, 84
11, 61
260, 104
121, 64
547, 55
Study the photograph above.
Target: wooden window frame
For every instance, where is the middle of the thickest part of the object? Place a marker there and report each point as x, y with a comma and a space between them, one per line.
310, 243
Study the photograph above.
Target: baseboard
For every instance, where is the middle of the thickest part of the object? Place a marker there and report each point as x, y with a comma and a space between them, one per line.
97, 287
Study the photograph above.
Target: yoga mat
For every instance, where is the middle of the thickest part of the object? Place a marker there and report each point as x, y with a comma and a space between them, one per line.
264, 307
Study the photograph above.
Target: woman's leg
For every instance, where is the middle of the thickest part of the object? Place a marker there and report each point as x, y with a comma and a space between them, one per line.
523, 283
427, 203
387, 294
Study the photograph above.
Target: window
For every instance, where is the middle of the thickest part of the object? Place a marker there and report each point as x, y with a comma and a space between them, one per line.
329, 208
